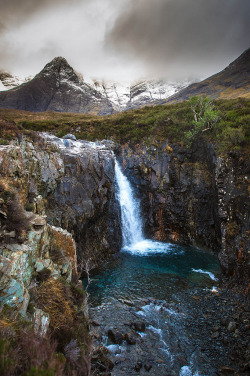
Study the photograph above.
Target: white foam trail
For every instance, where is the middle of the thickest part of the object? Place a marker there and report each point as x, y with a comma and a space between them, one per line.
130, 210
211, 275
186, 371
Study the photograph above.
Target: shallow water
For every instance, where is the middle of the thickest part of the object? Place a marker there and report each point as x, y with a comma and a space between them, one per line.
153, 269
166, 284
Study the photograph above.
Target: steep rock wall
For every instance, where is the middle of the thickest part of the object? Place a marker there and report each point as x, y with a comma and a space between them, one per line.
73, 186
192, 196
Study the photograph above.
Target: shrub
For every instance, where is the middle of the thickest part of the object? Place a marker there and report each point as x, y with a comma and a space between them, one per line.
39, 355
204, 117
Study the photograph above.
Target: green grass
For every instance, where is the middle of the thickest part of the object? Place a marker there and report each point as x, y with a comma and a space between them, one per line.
168, 122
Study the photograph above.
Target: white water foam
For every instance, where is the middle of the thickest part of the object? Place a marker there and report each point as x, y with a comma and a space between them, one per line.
211, 275
130, 211
187, 371
148, 247
132, 233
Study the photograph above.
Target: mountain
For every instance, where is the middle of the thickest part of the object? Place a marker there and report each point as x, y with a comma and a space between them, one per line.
59, 88
8, 81
125, 96
56, 88
232, 82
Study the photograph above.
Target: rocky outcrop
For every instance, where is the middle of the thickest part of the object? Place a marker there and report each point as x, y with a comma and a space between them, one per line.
232, 181
73, 184
20, 263
192, 196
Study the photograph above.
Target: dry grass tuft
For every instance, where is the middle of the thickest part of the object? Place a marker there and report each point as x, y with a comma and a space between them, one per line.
53, 298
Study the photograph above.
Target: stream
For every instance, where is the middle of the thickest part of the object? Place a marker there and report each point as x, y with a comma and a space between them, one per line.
156, 307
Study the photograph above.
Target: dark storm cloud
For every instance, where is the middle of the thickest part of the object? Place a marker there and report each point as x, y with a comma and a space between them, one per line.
180, 37
16, 11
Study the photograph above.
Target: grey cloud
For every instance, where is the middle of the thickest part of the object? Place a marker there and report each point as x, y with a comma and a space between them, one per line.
181, 37
16, 11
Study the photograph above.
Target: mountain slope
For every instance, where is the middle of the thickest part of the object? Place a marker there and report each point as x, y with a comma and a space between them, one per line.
126, 96
56, 88
232, 82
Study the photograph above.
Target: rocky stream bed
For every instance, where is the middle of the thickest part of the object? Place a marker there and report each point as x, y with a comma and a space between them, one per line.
197, 332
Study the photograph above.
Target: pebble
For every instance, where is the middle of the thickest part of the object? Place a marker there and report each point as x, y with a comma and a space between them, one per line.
231, 326
138, 366
147, 367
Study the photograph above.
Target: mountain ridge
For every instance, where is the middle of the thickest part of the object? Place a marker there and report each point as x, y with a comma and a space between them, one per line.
58, 87
232, 82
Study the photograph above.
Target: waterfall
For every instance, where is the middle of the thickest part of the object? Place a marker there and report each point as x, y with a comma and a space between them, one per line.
132, 234
130, 210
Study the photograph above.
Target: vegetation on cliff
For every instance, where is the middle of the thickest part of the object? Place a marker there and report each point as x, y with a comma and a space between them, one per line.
170, 122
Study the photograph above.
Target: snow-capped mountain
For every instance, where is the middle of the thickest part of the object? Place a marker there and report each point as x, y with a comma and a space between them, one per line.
56, 88
59, 88
8, 81
125, 95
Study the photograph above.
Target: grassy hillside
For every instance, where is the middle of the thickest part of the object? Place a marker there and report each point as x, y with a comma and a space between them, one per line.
230, 83
169, 122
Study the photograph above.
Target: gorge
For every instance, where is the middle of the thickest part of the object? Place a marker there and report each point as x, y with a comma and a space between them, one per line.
189, 197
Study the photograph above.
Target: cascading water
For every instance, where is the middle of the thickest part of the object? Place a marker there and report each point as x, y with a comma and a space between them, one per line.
130, 210
146, 282
132, 233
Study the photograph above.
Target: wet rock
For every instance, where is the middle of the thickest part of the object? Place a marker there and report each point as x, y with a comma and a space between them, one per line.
225, 340
231, 326
225, 370
69, 136
147, 366
101, 361
115, 336
138, 366
128, 302
95, 323
139, 326
132, 338
224, 321
215, 335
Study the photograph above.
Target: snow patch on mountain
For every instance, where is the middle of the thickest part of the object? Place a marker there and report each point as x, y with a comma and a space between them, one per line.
126, 95
8, 81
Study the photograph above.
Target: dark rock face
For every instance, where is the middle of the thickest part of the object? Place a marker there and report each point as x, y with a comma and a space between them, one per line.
193, 197
56, 88
232, 180
84, 203
177, 192
73, 186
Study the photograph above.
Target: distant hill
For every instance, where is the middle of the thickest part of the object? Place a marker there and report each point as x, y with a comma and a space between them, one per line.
232, 82
56, 88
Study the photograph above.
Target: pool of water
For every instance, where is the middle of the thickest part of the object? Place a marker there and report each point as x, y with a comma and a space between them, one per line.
153, 269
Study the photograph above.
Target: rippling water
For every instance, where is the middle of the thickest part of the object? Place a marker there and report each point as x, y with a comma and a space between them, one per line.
153, 269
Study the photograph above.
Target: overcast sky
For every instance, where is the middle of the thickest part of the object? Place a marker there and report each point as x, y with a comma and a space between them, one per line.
124, 39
